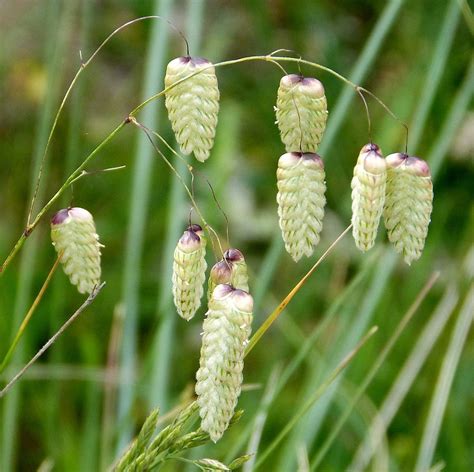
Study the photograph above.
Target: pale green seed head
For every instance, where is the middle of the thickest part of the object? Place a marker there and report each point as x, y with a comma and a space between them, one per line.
189, 272
226, 330
408, 204
301, 201
368, 195
301, 112
74, 236
193, 104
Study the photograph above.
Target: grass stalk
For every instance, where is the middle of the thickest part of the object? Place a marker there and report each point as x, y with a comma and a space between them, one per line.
163, 342
138, 211
443, 385
373, 370
404, 380
28, 315
57, 22
314, 398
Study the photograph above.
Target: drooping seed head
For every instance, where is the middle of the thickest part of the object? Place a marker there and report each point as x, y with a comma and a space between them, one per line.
189, 271
226, 330
232, 270
368, 195
74, 237
192, 104
408, 204
301, 201
301, 112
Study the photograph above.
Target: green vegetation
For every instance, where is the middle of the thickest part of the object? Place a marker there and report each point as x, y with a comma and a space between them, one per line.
323, 389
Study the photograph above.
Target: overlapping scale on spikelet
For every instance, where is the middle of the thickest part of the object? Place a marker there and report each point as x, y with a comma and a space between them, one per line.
232, 270
189, 271
74, 235
301, 112
226, 331
193, 104
301, 201
368, 195
408, 204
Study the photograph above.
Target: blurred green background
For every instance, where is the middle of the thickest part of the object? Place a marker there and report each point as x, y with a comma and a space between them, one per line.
128, 353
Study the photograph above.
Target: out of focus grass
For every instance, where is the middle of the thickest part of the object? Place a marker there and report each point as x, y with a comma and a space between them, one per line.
71, 407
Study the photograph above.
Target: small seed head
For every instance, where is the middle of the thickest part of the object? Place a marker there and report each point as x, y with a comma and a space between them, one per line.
189, 271
226, 331
74, 236
301, 112
368, 195
301, 200
192, 104
408, 204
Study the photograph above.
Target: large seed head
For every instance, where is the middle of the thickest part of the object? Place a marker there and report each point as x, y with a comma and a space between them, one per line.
226, 331
301, 112
189, 271
193, 104
232, 270
301, 201
368, 195
74, 236
408, 204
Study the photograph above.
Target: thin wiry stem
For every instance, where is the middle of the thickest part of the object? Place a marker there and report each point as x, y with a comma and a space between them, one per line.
272, 59
71, 86
206, 225
28, 316
276, 313
58, 333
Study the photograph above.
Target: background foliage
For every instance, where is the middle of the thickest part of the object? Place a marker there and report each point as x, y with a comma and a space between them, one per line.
129, 353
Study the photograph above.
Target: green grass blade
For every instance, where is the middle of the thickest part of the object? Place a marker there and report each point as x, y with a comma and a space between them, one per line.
315, 396
435, 71
360, 70
373, 370
138, 211
451, 124
444, 383
405, 379
56, 27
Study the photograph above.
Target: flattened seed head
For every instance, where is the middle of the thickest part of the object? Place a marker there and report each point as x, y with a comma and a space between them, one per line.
371, 158
396, 159
192, 62
190, 241
243, 301
66, 214
222, 291
221, 273
233, 255
310, 85
418, 166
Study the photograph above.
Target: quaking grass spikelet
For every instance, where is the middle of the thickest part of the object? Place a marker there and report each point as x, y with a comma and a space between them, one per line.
408, 204
74, 236
232, 270
193, 104
301, 201
368, 195
226, 331
301, 112
189, 271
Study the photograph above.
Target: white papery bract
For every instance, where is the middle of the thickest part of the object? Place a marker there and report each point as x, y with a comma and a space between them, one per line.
232, 270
